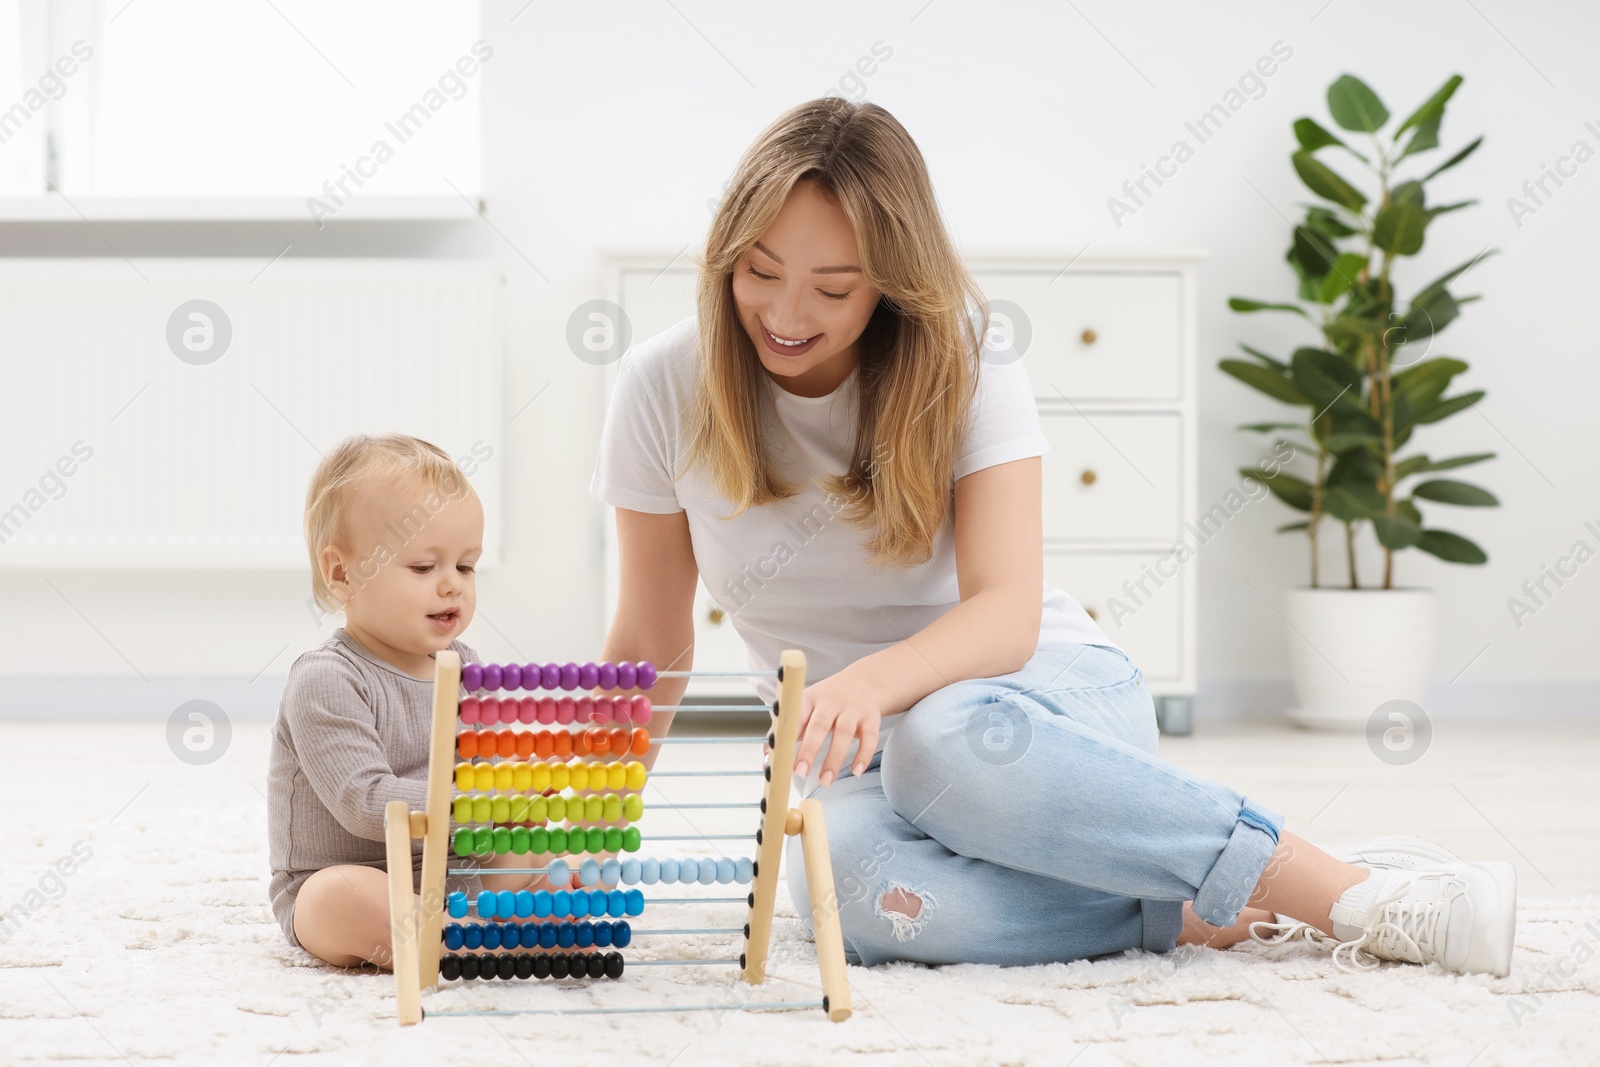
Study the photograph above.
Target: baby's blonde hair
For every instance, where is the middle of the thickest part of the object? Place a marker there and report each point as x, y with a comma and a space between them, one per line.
354, 460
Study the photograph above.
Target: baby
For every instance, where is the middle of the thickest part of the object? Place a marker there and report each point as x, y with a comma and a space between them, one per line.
394, 531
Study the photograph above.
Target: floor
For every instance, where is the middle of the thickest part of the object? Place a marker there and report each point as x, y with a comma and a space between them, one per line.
160, 946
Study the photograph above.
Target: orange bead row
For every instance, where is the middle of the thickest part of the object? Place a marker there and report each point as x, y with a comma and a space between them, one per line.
558, 744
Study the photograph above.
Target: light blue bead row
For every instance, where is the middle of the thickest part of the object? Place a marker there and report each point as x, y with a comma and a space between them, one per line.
704, 870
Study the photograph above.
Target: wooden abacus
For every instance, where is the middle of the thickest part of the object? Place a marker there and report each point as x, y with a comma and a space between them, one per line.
530, 791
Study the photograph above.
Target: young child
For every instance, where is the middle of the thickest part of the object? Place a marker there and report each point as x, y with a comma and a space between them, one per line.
394, 531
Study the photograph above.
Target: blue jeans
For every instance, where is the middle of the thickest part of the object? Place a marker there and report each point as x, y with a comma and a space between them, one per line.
1030, 818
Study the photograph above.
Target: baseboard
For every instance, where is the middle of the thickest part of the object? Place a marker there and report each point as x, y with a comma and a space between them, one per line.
1511, 699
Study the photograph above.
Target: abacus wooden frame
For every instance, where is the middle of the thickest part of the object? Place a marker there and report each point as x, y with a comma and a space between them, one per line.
416, 929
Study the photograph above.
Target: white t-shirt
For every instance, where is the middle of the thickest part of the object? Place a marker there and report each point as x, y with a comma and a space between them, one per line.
795, 574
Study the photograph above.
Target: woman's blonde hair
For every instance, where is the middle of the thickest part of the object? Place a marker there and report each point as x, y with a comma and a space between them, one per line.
918, 366
355, 460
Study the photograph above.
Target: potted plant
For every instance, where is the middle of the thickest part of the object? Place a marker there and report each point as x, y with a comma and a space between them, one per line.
1364, 390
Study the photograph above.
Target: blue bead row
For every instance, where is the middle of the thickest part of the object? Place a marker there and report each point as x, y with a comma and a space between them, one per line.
544, 904
584, 934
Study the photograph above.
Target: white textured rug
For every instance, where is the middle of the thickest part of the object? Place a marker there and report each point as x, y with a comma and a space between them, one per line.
161, 948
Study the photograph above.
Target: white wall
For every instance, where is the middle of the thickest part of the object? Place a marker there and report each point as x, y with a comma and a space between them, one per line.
615, 124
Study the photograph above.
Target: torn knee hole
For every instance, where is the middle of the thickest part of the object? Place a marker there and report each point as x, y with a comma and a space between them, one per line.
902, 901
906, 911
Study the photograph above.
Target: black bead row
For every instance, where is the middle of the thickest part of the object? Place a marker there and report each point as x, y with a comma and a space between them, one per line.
508, 965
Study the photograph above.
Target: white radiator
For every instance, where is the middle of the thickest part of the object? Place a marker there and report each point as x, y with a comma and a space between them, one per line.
120, 447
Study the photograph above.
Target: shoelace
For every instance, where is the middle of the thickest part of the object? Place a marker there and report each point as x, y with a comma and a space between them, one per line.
1407, 930
1284, 933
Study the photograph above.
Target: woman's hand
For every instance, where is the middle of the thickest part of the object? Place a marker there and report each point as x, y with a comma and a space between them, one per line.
852, 710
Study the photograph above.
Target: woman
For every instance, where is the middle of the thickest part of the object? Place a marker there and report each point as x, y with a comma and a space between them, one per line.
825, 444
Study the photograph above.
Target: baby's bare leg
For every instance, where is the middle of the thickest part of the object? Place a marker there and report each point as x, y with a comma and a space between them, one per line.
341, 915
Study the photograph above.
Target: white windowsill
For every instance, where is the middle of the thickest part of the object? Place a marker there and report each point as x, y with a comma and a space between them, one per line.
55, 208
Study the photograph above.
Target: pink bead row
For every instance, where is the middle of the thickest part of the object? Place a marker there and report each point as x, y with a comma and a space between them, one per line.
491, 711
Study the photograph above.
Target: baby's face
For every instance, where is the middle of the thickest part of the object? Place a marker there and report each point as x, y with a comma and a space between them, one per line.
409, 559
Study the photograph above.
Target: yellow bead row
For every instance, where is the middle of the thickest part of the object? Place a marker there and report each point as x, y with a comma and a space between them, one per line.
515, 808
538, 777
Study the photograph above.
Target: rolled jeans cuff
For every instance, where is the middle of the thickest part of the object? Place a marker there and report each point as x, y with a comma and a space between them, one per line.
1237, 872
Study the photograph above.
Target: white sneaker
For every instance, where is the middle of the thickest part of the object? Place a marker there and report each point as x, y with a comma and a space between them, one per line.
1462, 916
1389, 851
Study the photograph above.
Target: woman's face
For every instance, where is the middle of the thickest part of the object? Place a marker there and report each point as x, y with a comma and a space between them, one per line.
802, 282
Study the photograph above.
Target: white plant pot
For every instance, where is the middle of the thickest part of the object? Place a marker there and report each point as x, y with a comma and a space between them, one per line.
1353, 650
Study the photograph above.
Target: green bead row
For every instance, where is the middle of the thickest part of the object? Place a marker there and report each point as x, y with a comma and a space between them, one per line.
484, 841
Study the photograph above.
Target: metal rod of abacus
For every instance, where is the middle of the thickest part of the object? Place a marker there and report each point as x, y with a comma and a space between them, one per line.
704, 774
756, 740
716, 674
683, 963
711, 707
753, 1005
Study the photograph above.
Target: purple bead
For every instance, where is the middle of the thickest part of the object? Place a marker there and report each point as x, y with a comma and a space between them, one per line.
569, 676
627, 676
588, 676
550, 676
608, 676
511, 676
491, 676
472, 677
647, 674
532, 676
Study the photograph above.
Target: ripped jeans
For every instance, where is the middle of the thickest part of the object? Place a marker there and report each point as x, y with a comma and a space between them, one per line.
1027, 819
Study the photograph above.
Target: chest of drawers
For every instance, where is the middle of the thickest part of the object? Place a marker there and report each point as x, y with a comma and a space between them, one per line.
1109, 344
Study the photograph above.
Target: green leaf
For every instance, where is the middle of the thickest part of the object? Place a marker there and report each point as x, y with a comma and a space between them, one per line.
1311, 253
1356, 467
1321, 179
1350, 503
1408, 193
1346, 270
1452, 548
1327, 223
1354, 106
1274, 383
1431, 108
1427, 292
1345, 440
1268, 427
1239, 303
1275, 364
1408, 511
1446, 408
1427, 317
1312, 136
1398, 229
1450, 491
1296, 492
1395, 532
1426, 137
1325, 378
1453, 160
1288, 526
1423, 383
1445, 208
1421, 464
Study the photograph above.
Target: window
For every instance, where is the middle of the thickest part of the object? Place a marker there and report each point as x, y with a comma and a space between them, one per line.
293, 98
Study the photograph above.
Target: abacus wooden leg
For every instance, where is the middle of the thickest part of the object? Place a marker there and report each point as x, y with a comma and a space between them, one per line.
825, 928
769, 850
436, 839
402, 912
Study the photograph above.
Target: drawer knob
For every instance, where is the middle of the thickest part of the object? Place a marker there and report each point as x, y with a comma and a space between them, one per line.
1089, 337
1091, 614
1087, 477
715, 615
